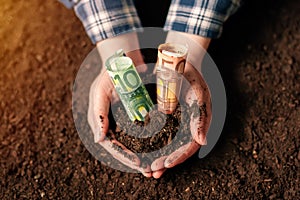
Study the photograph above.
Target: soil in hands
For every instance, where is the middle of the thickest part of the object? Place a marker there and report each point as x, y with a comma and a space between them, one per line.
159, 135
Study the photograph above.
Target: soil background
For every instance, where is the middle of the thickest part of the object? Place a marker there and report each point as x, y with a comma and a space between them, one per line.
42, 156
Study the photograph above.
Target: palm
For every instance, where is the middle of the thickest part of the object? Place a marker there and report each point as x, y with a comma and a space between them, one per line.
194, 90
102, 94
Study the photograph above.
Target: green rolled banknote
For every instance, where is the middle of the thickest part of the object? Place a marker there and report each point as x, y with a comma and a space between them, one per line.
129, 86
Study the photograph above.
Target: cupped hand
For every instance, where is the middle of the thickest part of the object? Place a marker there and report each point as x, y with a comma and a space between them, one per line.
102, 95
194, 90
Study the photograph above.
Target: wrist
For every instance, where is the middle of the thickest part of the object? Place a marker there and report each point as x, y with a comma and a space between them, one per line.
197, 45
128, 42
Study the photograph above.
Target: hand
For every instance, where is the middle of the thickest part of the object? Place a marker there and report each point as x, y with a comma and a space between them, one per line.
103, 94
194, 92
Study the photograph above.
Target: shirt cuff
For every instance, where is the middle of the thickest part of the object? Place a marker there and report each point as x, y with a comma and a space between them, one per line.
200, 17
104, 19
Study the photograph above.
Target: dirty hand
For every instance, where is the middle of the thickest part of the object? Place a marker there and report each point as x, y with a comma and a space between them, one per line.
194, 90
197, 92
103, 94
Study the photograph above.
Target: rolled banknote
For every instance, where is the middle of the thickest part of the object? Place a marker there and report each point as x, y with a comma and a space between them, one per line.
169, 68
129, 86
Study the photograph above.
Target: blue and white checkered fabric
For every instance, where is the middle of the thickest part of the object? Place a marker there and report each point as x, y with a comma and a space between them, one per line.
200, 17
103, 19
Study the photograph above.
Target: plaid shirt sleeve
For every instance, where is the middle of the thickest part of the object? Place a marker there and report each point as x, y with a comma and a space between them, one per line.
200, 17
104, 19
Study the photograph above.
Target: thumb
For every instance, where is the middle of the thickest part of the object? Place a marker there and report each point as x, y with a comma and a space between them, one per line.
198, 98
181, 154
101, 96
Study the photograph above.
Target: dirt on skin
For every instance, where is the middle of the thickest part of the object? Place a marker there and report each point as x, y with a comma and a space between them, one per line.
42, 156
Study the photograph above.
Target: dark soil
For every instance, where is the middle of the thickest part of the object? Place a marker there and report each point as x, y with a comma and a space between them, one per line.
42, 156
157, 131
135, 135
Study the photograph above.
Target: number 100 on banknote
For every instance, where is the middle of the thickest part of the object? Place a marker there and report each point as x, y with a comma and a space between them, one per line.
129, 86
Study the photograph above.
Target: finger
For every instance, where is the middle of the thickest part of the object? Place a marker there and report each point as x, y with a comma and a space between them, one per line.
194, 86
159, 173
125, 156
146, 171
199, 97
181, 154
94, 119
197, 91
121, 153
200, 125
158, 163
102, 95
147, 174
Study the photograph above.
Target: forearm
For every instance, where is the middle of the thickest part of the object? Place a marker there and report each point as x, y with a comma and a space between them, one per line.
200, 17
128, 42
194, 23
103, 19
197, 45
